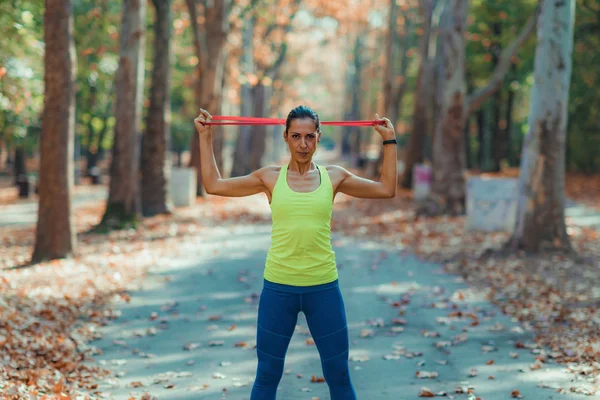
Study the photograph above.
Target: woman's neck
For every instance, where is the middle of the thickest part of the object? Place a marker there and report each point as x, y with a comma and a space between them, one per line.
302, 168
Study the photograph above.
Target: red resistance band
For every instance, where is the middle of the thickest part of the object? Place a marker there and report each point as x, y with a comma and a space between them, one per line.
231, 120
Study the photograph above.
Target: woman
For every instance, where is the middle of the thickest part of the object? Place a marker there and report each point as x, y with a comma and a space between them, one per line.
300, 270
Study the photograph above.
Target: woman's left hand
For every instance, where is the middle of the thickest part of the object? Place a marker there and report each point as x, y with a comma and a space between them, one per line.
387, 130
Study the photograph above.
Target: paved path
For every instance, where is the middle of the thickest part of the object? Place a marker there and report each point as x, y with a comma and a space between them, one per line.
583, 216
204, 303
24, 212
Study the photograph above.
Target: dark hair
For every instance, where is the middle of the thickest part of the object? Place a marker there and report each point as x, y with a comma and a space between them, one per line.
302, 112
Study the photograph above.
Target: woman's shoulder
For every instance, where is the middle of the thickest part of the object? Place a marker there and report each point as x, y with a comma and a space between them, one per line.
273, 168
270, 168
336, 169
269, 171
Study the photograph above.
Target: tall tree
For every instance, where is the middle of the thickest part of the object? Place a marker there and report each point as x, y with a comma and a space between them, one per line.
95, 77
499, 138
390, 87
241, 159
264, 51
449, 157
422, 110
352, 134
155, 150
398, 41
123, 204
210, 23
541, 216
55, 233
267, 70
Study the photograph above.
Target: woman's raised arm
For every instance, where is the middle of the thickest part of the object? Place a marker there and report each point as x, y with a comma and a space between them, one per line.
213, 183
356, 186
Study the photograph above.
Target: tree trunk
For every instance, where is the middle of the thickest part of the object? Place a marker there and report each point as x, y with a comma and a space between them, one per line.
261, 95
486, 138
241, 153
209, 43
20, 168
123, 204
55, 233
541, 208
3, 152
422, 111
389, 86
351, 138
400, 78
449, 159
510, 103
243, 143
499, 140
155, 152
90, 151
480, 117
448, 146
218, 137
468, 152
96, 153
396, 88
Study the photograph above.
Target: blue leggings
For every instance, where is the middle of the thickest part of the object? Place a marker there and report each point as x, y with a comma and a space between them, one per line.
278, 310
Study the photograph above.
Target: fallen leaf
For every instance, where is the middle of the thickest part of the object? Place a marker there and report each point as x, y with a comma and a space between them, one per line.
365, 333
426, 375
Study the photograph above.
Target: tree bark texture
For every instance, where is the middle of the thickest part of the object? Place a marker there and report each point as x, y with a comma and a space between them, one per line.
390, 86
499, 139
55, 233
156, 165
449, 159
248, 159
261, 96
20, 168
481, 95
422, 110
209, 43
123, 199
352, 135
541, 216
241, 153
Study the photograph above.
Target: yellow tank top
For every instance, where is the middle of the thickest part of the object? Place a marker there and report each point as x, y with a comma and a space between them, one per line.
301, 252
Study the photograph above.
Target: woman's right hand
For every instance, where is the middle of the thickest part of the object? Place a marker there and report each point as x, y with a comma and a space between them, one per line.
201, 120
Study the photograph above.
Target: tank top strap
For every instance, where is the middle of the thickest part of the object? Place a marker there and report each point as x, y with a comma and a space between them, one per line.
280, 183
324, 175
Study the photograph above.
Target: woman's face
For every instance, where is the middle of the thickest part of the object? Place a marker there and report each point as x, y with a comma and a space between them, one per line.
302, 138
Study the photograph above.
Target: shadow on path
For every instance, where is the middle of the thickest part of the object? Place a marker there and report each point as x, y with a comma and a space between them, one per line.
189, 333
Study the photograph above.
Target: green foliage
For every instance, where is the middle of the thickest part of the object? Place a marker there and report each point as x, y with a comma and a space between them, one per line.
584, 103
493, 26
97, 62
21, 71
96, 30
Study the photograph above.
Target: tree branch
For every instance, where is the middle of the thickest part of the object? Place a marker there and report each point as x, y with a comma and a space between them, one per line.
480, 96
282, 52
198, 42
248, 8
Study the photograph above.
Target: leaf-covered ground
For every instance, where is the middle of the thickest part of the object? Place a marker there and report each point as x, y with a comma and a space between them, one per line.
557, 296
50, 313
